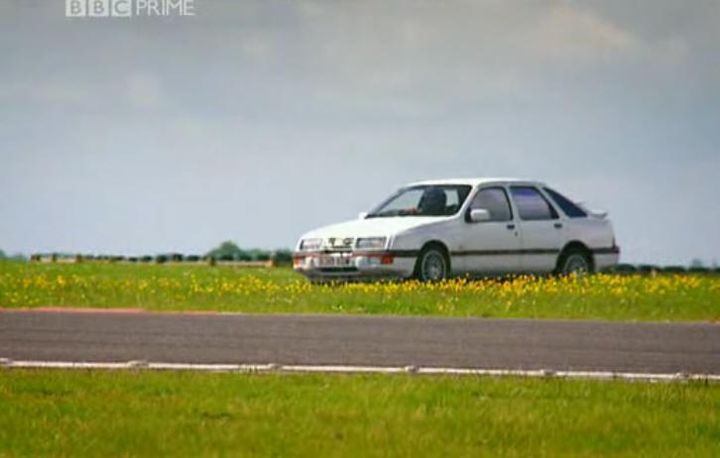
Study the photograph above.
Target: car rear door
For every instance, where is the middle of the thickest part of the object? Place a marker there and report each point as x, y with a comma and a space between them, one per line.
491, 246
540, 227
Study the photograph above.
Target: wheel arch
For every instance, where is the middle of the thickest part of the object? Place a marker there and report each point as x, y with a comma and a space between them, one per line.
440, 245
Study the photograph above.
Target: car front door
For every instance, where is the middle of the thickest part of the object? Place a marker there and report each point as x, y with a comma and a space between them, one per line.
541, 229
490, 246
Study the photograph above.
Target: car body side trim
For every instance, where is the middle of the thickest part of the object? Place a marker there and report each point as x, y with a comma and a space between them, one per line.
608, 250
503, 252
415, 253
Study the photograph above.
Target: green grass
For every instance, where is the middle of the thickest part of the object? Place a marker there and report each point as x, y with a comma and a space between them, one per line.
198, 288
191, 414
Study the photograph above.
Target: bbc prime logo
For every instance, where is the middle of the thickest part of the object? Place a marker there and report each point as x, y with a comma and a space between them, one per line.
128, 8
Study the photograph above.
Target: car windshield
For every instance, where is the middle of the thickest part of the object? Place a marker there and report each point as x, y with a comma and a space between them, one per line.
423, 200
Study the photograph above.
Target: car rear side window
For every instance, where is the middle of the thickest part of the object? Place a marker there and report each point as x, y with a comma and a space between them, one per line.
531, 205
495, 201
570, 209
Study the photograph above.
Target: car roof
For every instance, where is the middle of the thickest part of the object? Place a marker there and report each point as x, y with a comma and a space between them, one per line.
478, 181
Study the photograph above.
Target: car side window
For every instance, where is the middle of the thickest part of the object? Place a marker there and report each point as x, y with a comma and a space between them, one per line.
570, 209
531, 205
495, 201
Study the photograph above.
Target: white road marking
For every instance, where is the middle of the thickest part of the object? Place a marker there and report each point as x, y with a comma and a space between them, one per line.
346, 369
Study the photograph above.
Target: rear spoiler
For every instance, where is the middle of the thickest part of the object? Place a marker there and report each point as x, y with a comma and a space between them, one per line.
599, 214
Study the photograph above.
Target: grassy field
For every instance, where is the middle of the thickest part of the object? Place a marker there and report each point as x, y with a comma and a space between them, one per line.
189, 414
182, 288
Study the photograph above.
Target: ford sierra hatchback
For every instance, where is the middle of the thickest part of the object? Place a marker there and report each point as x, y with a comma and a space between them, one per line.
432, 230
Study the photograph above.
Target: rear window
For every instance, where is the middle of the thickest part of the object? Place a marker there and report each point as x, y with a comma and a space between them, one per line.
567, 206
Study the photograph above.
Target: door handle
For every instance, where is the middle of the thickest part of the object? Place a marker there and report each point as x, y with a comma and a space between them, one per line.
558, 225
510, 227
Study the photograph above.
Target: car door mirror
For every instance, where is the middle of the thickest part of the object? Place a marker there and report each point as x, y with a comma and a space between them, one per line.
478, 215
362, 215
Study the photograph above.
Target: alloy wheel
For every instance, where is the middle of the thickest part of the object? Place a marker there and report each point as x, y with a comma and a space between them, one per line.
577, 264
433, 266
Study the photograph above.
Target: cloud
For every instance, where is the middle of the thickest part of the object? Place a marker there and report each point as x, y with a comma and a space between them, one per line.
427, 59
568, 32
45, 92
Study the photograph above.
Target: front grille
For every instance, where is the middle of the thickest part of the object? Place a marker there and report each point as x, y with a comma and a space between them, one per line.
339, 243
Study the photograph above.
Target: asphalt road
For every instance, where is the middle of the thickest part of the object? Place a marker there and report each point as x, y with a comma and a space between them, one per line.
355, 340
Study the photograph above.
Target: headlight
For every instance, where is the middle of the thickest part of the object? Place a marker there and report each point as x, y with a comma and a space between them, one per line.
310, 244
371, 243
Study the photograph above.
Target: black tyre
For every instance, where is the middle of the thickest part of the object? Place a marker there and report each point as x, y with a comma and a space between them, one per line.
432, 264
575, 261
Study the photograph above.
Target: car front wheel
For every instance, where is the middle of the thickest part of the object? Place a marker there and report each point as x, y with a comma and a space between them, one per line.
432, 265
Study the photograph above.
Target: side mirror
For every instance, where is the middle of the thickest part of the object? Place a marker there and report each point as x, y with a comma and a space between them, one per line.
478, 215
362, 215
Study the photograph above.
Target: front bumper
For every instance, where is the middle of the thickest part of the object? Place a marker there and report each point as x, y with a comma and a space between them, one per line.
348, 265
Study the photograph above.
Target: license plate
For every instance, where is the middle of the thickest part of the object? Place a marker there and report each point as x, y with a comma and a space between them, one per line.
334, 261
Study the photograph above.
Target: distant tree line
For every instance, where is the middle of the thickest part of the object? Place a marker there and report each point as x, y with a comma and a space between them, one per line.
17, 256
230, 251
226, 251
673, 269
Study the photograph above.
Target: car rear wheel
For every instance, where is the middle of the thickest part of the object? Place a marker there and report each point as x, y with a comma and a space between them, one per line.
432, 265
576, 262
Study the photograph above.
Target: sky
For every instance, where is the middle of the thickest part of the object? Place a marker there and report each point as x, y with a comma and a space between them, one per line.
255, 121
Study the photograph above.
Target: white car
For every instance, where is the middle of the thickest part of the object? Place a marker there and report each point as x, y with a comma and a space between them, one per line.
432, 230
